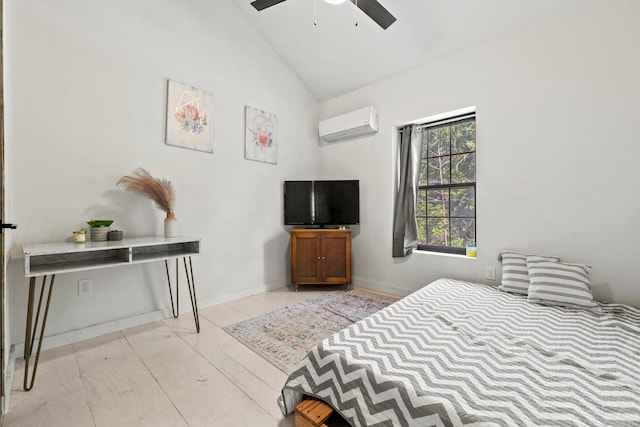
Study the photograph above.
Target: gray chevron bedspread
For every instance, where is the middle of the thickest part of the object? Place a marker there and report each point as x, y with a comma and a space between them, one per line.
460, 354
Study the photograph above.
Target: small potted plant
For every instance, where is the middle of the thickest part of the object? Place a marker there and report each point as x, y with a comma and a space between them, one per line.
99, 229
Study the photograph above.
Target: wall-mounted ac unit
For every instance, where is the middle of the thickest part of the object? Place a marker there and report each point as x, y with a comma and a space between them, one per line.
350, 125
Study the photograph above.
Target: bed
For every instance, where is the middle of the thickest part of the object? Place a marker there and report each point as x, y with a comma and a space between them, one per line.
461, 354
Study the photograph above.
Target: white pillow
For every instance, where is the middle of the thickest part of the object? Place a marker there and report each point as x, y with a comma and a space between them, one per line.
515, 275
559, 283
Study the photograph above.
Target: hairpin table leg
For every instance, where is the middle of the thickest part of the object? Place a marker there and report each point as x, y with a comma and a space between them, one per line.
175, 309
192, 292
31, 328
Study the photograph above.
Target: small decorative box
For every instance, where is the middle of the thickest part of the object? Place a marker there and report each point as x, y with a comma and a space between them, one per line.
115, 235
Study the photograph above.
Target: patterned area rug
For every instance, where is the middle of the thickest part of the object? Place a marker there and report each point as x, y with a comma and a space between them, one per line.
285, 336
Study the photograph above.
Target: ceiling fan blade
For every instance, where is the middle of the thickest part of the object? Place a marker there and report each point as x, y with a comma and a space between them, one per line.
376, 11
263, 4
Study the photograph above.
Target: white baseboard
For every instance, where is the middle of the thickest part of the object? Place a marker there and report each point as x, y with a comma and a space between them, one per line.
247, 292
65, 338
382, 287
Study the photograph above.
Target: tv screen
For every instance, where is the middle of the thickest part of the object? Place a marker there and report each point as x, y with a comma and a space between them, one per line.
321, 202
336, 202
298, 202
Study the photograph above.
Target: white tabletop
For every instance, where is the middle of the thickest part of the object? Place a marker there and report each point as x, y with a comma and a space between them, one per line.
64, 257
71, 247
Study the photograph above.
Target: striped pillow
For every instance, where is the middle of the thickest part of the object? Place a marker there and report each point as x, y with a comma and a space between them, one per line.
559, 283
515, 275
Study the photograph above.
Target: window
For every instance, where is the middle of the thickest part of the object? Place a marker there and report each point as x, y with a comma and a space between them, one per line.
446, 205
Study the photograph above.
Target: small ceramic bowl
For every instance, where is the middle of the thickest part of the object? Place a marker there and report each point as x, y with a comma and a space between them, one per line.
115, 235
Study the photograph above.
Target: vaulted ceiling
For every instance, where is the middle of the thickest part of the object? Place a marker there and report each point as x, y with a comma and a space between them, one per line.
336, 56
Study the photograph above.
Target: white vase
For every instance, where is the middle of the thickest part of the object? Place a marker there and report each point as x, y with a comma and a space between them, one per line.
170, 225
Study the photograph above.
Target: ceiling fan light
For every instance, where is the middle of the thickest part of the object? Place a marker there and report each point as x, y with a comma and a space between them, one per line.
335, 1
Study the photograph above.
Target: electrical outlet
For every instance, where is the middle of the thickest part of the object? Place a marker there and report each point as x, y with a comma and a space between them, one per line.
491, 273
84, 287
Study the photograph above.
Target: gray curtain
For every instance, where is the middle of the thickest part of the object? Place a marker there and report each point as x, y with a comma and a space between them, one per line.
405, 229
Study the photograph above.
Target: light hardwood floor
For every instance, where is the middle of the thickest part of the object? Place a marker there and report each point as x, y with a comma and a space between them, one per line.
160, 374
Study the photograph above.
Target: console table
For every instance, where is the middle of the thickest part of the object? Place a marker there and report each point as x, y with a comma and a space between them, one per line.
49, 259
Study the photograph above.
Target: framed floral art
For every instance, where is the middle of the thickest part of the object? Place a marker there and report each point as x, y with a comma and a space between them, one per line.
189, 117
261, 135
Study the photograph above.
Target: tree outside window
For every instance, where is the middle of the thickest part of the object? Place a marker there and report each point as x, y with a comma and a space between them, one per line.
446, 205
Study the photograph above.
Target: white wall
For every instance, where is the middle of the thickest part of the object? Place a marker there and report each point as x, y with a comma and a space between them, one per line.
557, 137
85, 105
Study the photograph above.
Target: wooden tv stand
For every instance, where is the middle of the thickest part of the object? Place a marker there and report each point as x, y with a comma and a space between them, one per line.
320, 256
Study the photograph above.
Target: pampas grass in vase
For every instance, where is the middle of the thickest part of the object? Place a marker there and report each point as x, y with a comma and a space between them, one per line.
159, 191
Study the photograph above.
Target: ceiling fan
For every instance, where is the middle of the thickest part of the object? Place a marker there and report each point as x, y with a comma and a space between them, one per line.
372, 8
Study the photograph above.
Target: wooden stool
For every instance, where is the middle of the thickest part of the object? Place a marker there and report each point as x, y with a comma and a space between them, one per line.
312, 413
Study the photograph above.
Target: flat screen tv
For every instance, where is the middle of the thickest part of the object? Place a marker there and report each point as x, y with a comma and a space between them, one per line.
322, 203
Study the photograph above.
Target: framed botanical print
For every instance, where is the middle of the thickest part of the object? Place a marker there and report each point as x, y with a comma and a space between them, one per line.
189, 117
